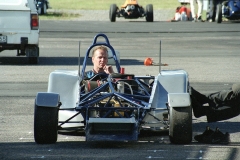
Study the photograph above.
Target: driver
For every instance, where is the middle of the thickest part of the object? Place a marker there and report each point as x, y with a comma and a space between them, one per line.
99, 60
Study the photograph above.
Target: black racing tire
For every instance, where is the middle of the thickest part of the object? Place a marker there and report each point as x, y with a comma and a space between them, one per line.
180, 129
45, 124
219, 13
113, 12
149, 13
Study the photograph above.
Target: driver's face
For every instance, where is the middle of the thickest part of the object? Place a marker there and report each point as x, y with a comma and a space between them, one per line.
100, 58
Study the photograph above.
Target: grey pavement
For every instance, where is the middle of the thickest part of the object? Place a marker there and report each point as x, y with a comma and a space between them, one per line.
103, 15
211, 57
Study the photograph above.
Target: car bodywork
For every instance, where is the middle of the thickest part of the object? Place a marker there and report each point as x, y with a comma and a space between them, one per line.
114, 107
19, 28
131, 10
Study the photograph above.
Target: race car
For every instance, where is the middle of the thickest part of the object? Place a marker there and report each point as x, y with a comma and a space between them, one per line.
131, 10
113, 107
229, 9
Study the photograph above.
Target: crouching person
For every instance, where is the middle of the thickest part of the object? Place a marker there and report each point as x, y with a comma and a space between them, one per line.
216, 106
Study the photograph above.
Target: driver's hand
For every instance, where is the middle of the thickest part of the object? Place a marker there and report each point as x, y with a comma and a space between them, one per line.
108, 69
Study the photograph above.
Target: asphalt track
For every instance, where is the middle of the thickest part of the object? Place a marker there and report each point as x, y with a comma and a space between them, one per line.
209, 52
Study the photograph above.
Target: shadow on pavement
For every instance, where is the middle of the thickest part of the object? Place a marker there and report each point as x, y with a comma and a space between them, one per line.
44, 61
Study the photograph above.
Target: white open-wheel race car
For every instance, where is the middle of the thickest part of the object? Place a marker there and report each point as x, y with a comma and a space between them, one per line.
113, 107
131, 10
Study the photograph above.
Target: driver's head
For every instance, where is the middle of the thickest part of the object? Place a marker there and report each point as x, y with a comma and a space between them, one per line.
99, 58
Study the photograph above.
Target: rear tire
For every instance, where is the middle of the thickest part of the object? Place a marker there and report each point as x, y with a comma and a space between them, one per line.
149, 13
35, 52
113, 12
45, 124
219, 13
180, 130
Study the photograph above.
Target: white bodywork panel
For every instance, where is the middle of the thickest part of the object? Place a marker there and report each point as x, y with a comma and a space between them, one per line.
172, 81
179, 100
66, 84
169, 87
169, 83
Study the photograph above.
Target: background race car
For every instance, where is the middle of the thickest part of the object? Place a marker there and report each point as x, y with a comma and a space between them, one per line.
131, 10
228, 9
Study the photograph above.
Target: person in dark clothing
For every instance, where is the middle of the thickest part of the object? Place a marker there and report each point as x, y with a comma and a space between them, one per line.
212, 8
216, 106
100, 69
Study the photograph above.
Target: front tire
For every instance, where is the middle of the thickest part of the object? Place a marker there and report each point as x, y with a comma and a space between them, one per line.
113, 12
45, 124
180, 130
149, 13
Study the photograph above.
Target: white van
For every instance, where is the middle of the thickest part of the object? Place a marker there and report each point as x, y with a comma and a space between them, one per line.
19, 28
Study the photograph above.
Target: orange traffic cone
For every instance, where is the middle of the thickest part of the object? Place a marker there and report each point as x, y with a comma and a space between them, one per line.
149, 62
